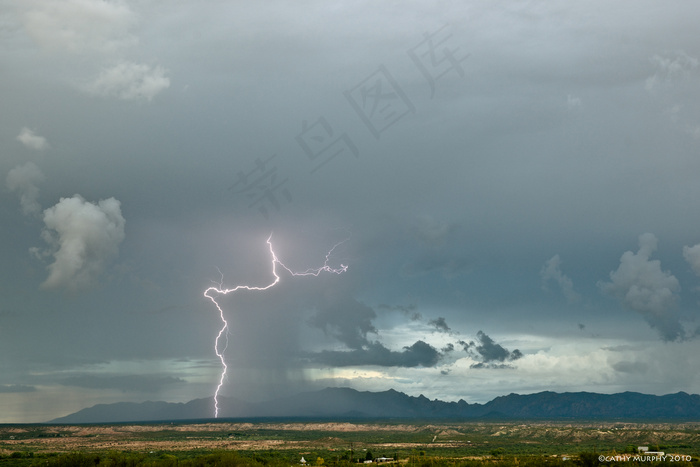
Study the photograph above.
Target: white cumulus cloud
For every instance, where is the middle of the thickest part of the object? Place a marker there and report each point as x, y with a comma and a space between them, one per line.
692, 256
641, 285
83, 238
670, 67
32, 140
572, 101
130, 81
23, 180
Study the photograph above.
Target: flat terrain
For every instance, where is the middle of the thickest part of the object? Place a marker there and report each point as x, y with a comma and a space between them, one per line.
400, 439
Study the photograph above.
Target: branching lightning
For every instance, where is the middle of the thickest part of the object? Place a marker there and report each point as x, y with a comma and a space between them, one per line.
213, 292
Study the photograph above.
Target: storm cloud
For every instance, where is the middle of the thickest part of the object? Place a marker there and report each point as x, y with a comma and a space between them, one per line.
473, 152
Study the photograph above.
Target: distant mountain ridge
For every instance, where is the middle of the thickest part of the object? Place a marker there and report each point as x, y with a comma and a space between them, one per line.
348, 403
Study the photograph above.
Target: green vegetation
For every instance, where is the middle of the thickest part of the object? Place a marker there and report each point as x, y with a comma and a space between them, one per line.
275, 459
342, 444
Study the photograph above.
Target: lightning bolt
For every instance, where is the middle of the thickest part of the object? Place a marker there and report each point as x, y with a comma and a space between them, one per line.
213, 292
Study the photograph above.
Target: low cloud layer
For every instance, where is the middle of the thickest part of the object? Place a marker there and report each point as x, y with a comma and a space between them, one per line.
83, 238
641, 285
125, 383
15, 388
23, 180
375, 353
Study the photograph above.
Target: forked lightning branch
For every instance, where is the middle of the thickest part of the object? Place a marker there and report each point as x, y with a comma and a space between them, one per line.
212, 293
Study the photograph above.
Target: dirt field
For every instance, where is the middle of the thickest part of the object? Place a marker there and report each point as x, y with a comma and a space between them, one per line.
176, 437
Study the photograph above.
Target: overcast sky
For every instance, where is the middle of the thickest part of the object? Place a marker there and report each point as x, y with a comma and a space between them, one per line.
514, 188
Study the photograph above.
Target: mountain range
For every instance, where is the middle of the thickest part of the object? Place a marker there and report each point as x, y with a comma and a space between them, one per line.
346, 403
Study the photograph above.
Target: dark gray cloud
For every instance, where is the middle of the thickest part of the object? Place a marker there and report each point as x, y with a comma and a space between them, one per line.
440, 324
346, 319
418, 354
126, 383
489, 352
